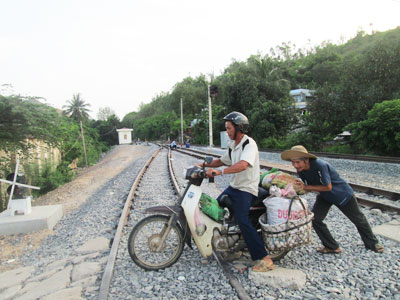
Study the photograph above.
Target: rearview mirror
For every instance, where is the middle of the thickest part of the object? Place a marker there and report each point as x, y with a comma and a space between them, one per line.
208, 159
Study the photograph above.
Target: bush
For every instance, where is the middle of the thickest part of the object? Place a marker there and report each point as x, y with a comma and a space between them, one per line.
303, 137
270, 143
344, 149
51, 179
380, 132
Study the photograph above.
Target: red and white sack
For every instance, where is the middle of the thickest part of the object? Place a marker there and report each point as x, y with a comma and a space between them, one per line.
278, 209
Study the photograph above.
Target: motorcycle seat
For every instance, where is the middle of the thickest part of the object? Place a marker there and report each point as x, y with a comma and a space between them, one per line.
226, 201
258, 202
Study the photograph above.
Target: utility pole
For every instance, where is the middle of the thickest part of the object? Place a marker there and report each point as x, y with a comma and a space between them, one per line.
181, 122
83, 142
210, 117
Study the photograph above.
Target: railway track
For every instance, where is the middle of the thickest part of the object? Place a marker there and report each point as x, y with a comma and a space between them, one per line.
382, 159
371, 158
109, 269
190, 278
111, 262
373, 191
122, 229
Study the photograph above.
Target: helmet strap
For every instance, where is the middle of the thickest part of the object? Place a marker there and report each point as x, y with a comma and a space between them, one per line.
236, 131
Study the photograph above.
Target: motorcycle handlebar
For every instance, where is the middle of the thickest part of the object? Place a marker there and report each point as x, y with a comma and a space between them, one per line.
211, 179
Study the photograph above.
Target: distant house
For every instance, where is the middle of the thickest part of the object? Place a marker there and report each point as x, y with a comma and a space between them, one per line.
343, 137
125, 135
300, 97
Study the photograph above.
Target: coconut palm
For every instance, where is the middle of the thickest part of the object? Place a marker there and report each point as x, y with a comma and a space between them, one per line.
77, 110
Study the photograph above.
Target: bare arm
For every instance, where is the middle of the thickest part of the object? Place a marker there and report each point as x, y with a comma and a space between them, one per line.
236, 168
215, 163
313, 188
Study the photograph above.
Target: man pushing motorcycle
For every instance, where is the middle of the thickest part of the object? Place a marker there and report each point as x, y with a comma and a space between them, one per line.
242, 160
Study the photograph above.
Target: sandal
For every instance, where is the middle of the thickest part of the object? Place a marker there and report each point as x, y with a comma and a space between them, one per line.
378, 248
325, 250
263, 266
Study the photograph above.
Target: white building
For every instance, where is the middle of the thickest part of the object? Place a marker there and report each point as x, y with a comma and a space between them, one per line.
125, 135
300, 98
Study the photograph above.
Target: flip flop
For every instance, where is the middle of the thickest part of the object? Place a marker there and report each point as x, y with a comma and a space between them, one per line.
325, 250
263, 266
378, 248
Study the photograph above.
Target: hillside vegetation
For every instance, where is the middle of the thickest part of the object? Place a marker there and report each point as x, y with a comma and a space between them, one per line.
349, 80
356, 84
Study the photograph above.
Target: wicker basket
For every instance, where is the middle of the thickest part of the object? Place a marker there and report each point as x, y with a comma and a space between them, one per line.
287, 235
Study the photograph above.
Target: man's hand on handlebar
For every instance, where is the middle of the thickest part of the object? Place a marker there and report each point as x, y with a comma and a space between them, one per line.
213, 172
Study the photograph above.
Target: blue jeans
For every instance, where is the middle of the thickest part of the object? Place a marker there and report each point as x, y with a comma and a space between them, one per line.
241, 206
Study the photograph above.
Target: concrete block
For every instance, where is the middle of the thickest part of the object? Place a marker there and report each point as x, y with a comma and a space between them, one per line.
389, 230
20, 206
279, 278
41, 217
95, 245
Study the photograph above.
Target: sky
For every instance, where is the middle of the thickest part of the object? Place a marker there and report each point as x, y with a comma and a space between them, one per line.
123, 53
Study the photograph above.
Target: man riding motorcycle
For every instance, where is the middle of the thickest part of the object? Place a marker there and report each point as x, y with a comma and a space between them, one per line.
242, 160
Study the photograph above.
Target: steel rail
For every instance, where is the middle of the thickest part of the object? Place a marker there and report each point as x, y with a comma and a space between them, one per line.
371, 158
109, 269
374, 158
374, 204
172, 174
242, 294
391, 195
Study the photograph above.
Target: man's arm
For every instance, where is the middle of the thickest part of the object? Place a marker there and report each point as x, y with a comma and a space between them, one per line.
313, 188
215, 163
236, 168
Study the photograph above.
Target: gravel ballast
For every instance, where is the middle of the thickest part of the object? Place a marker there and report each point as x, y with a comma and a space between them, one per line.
356, 273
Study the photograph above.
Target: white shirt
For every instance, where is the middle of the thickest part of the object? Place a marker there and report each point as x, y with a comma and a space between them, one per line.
248, 179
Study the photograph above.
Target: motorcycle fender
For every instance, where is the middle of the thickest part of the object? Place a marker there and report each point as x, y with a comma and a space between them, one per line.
166, 210
169, 210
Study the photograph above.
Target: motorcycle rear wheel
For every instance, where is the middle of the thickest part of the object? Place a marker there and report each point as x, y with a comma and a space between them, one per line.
145, 243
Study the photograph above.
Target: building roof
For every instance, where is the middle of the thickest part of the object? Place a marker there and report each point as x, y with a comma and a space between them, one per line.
297, 92
125, 129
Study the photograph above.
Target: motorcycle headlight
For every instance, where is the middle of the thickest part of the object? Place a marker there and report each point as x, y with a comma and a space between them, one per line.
191, 172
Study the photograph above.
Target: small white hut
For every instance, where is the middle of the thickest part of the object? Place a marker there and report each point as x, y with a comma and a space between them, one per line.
125, 135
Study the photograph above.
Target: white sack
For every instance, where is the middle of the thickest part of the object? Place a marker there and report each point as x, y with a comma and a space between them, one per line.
278, 209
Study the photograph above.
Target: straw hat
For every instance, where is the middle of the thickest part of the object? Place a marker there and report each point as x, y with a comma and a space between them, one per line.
296, 152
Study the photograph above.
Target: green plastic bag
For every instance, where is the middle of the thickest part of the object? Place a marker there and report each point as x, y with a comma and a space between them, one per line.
211, 208
273, 170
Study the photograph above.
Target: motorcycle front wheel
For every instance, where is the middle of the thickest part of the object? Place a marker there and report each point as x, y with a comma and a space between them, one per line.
148, 246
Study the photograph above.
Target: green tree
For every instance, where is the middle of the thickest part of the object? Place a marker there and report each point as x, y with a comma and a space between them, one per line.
20, 119
107, 130
258, 89
128, 120
380, 132
78, 110
351, 79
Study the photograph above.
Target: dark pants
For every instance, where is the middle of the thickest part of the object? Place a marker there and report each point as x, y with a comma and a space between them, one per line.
350, 210
241, 206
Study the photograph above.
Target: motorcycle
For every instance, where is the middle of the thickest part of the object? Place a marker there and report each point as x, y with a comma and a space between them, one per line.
157, 241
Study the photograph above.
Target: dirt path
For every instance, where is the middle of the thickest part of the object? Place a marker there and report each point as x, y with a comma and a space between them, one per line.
71, 196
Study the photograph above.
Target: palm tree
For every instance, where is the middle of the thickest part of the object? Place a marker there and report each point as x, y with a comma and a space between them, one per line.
77, 110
